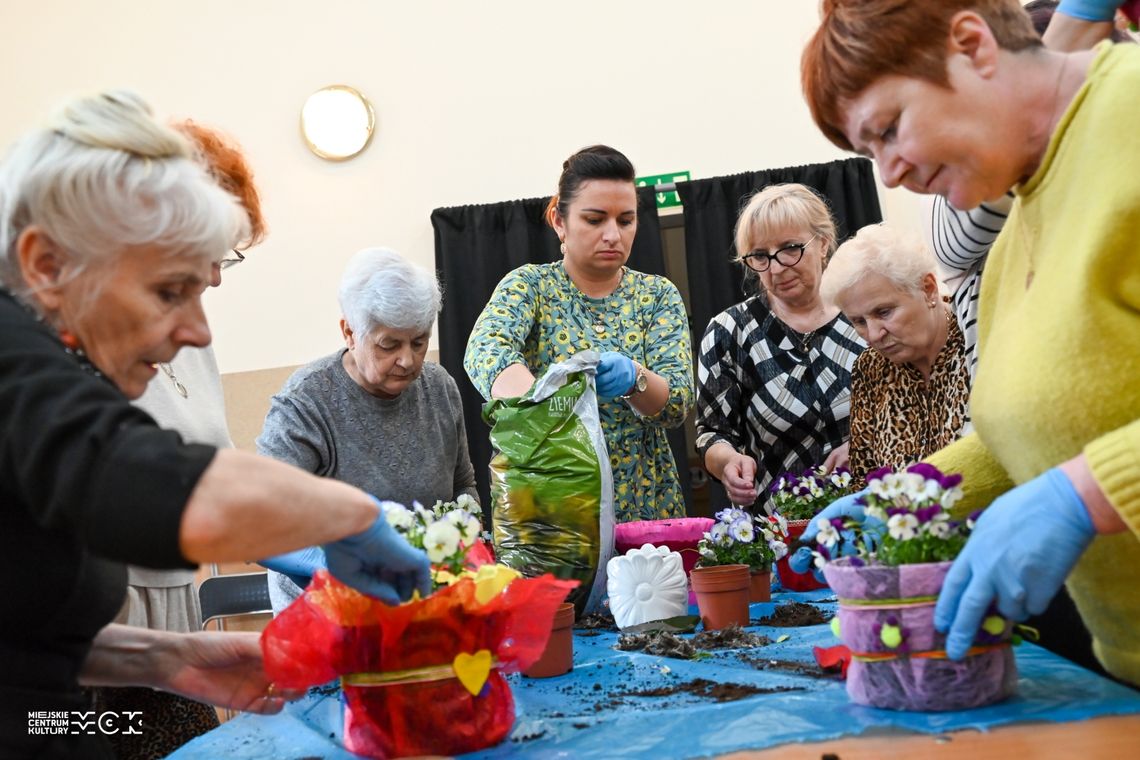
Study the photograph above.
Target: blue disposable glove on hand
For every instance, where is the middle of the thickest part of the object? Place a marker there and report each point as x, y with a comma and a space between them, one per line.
380, 563
616, 373
1019, 554
1090, 10
845, 507
299, 565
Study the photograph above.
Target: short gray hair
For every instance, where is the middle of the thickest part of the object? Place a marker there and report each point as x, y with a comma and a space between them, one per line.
380, 289
901, 258
104, 175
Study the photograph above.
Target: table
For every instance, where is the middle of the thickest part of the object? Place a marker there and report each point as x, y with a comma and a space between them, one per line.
590, 712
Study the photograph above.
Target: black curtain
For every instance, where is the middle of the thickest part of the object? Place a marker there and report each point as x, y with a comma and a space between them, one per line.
475, 247
711, 207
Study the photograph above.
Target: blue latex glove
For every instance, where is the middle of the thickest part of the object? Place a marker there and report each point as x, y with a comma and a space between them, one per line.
1019, 554
299, 565
845, 506
380, 563
616, 373
1090, 10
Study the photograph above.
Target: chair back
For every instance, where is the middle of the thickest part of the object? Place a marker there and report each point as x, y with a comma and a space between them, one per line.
223, 596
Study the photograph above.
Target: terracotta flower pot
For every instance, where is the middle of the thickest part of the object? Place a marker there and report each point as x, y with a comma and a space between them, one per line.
789, 579
760, 586
558, 657
722, 594
886, 619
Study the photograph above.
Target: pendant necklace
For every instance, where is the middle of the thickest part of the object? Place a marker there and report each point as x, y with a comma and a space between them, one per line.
178, 386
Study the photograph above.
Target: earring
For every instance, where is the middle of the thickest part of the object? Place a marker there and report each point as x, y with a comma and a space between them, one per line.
68, 339
562, 247
930, 304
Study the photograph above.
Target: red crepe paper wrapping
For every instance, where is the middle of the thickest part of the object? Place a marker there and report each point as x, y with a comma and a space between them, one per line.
332, 630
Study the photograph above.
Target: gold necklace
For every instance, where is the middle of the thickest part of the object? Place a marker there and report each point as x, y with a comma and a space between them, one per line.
178, 386
599, 325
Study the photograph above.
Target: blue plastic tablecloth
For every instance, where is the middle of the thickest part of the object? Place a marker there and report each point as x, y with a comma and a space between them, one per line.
584, 715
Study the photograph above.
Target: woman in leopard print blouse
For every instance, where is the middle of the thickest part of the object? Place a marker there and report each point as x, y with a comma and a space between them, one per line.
910, 389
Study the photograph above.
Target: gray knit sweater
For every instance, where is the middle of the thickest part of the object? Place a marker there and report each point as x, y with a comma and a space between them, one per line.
410, 448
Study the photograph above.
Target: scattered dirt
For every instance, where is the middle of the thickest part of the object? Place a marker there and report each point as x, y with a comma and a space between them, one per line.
325, 690
666, 644
702, 687
596, 621
795, 614
732, 637
811, 670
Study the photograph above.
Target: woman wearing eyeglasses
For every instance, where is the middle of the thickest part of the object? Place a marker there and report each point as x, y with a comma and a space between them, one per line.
774, 371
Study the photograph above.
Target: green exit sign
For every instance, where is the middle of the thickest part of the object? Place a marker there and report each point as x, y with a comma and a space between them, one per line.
667, 199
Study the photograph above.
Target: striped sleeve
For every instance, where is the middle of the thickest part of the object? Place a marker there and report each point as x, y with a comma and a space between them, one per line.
960, 238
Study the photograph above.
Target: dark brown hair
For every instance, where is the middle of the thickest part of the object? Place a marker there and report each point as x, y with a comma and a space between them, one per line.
594, 162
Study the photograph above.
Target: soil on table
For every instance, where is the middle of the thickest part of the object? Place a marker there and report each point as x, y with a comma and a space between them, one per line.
794, 615
702, 687
791, 667
664, 644
596, 621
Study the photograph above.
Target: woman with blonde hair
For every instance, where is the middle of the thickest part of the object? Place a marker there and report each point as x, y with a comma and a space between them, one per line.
910, 390
774, 371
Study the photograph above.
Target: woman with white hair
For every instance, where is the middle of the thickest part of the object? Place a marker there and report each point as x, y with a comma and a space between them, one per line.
910, 389
109, 233
374, 413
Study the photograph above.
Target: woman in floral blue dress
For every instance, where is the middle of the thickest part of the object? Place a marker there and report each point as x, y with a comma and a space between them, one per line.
541, 314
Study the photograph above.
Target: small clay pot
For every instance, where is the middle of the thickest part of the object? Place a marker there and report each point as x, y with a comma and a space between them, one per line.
760, 589
558, 657
722, 594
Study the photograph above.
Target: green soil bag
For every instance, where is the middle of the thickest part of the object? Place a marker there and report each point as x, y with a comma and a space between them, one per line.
551, 483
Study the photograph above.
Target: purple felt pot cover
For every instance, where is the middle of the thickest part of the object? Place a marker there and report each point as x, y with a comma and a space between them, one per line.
907, 682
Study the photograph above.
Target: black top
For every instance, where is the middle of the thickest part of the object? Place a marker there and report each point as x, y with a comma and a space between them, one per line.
777, 395
87, 482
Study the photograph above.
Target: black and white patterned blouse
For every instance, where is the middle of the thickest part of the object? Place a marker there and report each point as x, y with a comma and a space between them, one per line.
763, 394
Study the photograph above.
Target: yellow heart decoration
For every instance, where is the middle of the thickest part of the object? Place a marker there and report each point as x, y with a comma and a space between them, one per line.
472, 669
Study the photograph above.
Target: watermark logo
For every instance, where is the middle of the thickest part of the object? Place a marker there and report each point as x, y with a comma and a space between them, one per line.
110, 722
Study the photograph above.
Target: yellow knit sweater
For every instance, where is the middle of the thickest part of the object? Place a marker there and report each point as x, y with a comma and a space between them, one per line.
1059, 371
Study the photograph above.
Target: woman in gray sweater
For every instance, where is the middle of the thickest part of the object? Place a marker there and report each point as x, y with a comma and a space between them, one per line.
373, 414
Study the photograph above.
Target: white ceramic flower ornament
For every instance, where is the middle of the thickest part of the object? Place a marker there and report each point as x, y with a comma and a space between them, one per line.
646, 584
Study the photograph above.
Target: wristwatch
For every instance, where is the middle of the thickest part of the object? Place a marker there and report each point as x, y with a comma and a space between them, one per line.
640, 383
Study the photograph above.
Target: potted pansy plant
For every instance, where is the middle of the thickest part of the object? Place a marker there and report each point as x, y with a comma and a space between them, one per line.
887, 588
450, 649
799, 498
736, 555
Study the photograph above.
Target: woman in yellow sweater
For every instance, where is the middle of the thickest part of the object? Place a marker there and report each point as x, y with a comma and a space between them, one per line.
967, 105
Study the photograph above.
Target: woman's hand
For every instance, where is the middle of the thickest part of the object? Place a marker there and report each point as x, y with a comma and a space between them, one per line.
739, 479
380, 563
616, 375
223, 669
839, 457
1020, 552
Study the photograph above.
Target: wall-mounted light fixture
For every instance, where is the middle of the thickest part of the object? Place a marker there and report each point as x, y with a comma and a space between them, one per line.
337, 122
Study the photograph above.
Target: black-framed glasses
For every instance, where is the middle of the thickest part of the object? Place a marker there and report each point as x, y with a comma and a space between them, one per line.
230, 261
788, 256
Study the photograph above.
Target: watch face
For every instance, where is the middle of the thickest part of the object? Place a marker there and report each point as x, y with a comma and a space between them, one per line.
642, 381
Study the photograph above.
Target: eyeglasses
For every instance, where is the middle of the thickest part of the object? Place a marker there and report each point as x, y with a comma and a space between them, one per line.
230, 261
788, 256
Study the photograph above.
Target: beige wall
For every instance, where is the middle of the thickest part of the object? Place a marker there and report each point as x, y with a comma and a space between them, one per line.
476, 102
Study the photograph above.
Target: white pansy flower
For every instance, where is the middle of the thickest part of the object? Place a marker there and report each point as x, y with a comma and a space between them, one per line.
841, 479
707, 552
903, 527
742, 530
468, 503
779, 549
827, 535
467, 524
875, 511
819, 560
441, 540
939, 527
951, 497
398, 516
